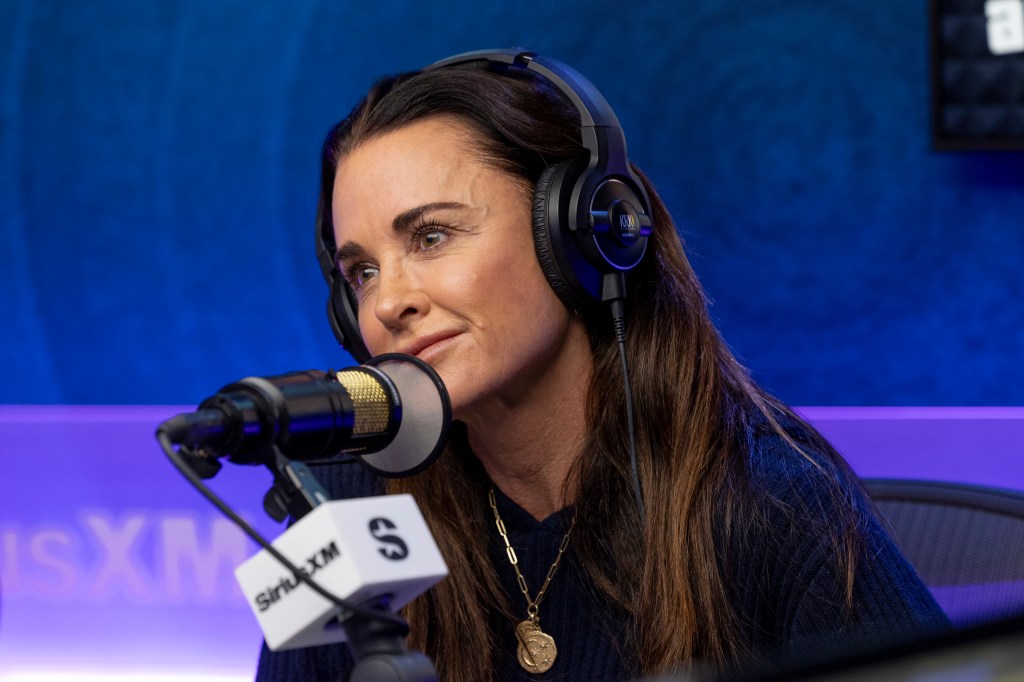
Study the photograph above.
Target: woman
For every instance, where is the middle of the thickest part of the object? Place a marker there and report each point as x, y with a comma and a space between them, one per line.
741, 535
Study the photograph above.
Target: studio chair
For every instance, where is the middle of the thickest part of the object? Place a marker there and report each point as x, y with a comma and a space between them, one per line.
966, 541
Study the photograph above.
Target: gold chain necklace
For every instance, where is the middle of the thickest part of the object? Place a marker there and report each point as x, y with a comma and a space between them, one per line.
536, 650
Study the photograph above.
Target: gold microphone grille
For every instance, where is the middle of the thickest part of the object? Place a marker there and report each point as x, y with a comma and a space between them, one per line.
369, 402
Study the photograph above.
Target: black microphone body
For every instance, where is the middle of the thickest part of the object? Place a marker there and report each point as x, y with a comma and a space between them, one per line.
392, 400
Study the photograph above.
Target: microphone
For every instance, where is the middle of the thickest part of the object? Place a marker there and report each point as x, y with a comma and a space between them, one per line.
376, 551
393, 412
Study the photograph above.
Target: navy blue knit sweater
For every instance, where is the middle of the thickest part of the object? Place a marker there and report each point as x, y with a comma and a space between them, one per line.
782, 582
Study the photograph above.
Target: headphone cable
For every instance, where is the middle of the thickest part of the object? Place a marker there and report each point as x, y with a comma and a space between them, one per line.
618, 310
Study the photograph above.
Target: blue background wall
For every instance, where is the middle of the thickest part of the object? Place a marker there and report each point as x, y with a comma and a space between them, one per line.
158, 171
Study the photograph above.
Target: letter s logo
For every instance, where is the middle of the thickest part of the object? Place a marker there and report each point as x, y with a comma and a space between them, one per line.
394, 547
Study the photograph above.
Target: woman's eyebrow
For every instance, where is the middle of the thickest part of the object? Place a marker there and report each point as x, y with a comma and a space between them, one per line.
347, 251
403, 220
399, 225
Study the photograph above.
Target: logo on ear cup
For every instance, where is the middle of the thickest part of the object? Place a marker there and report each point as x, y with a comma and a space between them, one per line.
625, 221
619, 226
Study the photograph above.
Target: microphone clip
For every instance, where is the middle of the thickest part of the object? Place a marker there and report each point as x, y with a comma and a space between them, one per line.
295, 491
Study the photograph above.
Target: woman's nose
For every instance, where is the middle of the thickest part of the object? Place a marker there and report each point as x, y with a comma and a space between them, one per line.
400, 300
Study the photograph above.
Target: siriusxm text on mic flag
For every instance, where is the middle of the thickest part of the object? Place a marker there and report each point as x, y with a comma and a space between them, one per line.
356, 549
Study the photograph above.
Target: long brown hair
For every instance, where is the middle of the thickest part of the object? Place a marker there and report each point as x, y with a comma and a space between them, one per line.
695, 409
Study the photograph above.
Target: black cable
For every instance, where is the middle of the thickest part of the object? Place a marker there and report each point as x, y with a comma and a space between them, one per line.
618, 310
181, 465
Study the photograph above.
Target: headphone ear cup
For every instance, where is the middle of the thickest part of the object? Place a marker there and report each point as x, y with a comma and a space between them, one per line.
545, 219
343, 314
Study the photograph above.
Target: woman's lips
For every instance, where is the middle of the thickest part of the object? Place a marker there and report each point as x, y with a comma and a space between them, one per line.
429, 344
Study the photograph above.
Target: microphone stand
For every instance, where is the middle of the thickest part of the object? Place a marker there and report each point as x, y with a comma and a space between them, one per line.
377, 645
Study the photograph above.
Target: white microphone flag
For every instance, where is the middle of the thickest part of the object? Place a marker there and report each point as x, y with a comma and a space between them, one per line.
356, 550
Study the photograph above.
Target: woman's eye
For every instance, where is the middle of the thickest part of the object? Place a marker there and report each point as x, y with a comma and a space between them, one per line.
430, 239
366, 274
360, 275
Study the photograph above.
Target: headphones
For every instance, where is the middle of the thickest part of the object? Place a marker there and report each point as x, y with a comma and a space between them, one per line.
591, 213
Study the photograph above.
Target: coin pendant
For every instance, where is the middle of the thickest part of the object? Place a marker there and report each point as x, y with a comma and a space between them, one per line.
536, 650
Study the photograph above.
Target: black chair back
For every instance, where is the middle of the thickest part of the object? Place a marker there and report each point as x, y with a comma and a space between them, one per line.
966, 541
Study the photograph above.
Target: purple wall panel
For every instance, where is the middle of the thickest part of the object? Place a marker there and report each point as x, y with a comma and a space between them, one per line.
111, 563
981, 445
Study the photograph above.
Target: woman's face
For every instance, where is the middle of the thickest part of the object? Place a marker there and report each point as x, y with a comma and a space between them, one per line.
438, 247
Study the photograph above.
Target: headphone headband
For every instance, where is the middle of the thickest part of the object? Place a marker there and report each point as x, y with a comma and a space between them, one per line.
600, 131
588, 100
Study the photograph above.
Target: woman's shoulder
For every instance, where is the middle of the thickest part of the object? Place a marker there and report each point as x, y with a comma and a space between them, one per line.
795, 495
788, 458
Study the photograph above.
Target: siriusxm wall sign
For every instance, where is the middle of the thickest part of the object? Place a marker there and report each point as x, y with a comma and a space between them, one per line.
109, 561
